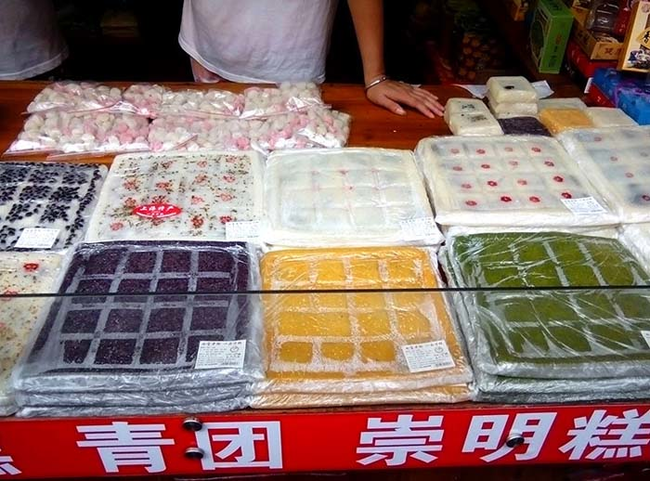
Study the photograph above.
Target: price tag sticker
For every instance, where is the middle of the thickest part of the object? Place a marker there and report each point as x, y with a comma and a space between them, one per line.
416, 229
242, 230
220, 354
35, 238
646, 336
584, 206
430, 356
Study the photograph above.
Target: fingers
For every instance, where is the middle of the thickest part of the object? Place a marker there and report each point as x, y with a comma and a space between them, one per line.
390, 94
409, 98
389, 104
432, 104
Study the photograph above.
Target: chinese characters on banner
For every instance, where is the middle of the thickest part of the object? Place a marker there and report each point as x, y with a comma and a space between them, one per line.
6, 466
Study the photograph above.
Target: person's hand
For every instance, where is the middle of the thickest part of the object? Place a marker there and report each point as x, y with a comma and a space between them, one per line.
390, 94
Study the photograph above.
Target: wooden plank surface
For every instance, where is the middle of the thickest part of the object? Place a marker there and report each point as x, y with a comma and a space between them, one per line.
372, 126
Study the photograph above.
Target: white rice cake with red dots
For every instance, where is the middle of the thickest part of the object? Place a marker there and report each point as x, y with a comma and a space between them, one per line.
511, 89
508, 181
346, 197
617, 161
609, 117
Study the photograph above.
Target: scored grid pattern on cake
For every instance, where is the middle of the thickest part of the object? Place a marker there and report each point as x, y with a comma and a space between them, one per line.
513, 174
314, 192
584, 324
621, 155
354, 365
48, 196
188, 303
211, 189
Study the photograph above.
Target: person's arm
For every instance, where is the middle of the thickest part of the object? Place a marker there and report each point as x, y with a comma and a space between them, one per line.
368, 18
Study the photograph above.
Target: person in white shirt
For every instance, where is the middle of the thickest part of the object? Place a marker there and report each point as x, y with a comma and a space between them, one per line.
30, 42
271, 41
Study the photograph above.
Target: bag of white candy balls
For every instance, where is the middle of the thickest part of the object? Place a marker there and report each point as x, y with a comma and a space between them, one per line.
288, 97
202, 103
82, 133
75, 97
142, 99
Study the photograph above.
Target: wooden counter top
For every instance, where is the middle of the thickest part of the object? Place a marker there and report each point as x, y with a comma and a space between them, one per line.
372, 126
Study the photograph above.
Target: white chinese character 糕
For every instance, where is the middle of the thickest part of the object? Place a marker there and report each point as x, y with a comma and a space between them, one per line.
6, 466
124, 444
487, 433
394, 442
241, 445
607, 436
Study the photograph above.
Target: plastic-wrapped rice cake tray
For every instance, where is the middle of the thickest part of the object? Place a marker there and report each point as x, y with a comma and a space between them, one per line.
618, 162
135, 343
47, 195
352, 342
178, 196
21, 273
508, 181
553, 333
345, 197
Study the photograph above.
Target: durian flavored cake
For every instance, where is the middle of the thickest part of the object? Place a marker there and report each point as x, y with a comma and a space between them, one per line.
559, 120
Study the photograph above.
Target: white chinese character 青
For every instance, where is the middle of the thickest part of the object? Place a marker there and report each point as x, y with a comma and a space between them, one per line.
606, 436
242, 445
487, 433
394, 442
124, 444
6, 467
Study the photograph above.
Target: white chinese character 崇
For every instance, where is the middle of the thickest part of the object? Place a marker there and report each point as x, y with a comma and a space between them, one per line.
393, 442
7, 468
486, 432
609, 436
124, 444
240, 442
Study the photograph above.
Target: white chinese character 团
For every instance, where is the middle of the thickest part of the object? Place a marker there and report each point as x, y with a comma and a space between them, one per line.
609, 436
6, 467
486, 432
124, 444
240, 442
393, 442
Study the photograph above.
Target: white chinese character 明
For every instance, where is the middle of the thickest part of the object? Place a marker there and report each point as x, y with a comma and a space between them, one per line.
240, 445
606, 436
7, 468
394, 442
486, 432
124, 444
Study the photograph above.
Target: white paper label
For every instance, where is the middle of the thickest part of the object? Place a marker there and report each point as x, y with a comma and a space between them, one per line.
220, 354
429, 356
584, 206
242, 230
34, 238
543, 89
415, 229
478, 91
646, 336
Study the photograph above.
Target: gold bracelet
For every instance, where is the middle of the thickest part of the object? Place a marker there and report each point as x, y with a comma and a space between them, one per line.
377, 81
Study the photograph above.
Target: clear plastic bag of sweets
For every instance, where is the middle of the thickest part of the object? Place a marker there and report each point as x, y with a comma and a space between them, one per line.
75, 97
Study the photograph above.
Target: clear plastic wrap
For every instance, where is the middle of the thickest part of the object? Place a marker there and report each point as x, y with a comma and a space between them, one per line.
202, 103
346, 197
616, 160
433, 395
509, 181
609, 117
95, 411
48, 196
478, 124
637, 238
21, 273
75, 97
91, 343
559, 120
511, 109
455, 106
551, 334
523, 126
176, 196
81, 133
544, 398
288, 97
571, 103
142, 99
511, 89
311, 128
349, 343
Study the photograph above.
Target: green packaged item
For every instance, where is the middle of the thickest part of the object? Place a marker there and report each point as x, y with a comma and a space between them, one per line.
552, 333
549, 34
